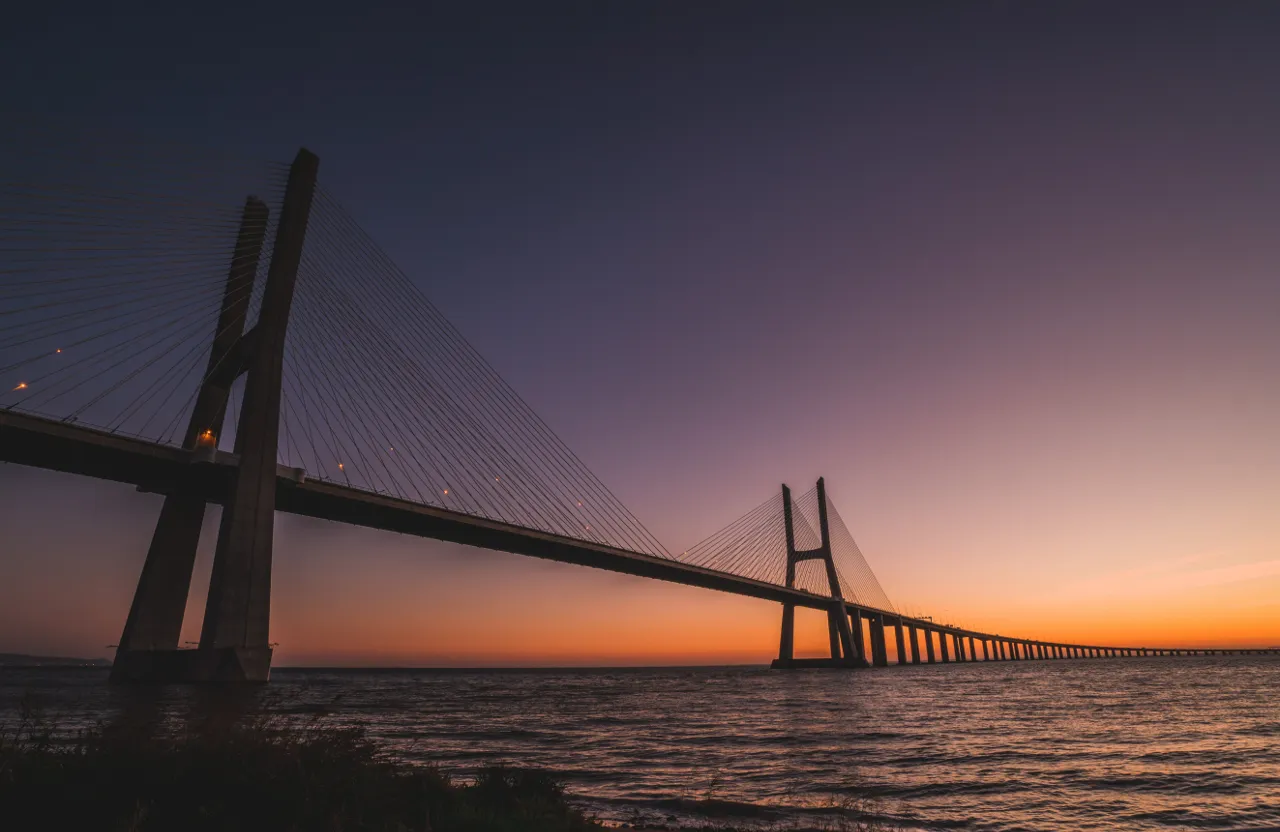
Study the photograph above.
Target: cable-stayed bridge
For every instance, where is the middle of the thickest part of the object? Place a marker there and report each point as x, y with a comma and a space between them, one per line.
161, 329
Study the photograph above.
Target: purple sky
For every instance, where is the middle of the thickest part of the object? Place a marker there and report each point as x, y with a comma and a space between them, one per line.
1004, 274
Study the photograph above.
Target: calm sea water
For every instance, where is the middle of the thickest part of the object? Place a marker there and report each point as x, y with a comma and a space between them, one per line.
1143, 744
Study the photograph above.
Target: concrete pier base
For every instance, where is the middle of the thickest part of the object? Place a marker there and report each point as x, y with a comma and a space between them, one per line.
168, 667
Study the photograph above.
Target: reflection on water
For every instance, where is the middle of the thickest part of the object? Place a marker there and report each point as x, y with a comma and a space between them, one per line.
1135, 744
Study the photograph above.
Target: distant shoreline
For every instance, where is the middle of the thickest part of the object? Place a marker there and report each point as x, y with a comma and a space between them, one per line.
23, 660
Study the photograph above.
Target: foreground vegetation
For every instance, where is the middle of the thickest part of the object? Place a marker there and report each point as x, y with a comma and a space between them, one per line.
232, 771
257, 774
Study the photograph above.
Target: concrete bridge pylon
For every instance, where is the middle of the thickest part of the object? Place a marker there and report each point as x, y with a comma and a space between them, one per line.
234, 642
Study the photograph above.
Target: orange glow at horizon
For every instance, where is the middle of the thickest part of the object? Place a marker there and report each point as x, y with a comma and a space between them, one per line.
349, 596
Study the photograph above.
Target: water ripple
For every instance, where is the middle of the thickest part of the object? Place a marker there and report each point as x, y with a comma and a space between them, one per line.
1152, 744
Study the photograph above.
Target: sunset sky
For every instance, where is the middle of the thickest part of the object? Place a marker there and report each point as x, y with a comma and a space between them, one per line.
1008, 277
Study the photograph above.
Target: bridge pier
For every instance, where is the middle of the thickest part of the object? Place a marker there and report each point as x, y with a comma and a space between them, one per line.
859, 638
879, 647
928, 645
846, 650
942, 647
915, 645
234, 643
902, 648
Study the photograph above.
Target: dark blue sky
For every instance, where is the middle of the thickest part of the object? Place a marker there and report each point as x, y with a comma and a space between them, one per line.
995, 270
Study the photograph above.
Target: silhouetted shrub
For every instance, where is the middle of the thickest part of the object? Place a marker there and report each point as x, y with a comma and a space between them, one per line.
260, 773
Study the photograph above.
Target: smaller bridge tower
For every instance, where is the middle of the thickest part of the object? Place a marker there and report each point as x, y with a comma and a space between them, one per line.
846, 646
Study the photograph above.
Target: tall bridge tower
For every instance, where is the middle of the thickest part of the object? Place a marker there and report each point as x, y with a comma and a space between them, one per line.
234, 642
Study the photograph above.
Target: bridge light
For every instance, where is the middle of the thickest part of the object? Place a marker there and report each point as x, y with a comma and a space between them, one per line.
340, 468
579, 504
22, 385
446, 491
58, 352
206, 439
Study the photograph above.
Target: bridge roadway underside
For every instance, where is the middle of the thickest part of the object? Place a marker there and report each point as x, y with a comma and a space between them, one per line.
70, 448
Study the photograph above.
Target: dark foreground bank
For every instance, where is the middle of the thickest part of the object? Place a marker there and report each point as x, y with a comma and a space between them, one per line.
237, 771
257, 774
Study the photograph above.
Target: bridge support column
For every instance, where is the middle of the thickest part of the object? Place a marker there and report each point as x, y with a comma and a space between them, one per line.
148, 650
902, 647
915, 645
878, 643
859, 639
235, 640
787, 643
942, 647
928, 645
973, 650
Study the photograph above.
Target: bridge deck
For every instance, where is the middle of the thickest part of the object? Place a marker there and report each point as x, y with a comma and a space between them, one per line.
61, 446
